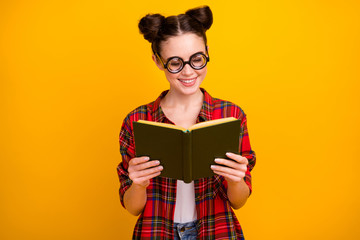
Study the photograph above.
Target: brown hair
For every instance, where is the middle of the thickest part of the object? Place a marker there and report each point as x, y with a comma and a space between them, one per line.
156, 28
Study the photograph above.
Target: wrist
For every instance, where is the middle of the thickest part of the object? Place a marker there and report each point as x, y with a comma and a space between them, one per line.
139, 187
239, 183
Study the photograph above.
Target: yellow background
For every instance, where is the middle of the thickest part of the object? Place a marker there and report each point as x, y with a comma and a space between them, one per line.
71, 70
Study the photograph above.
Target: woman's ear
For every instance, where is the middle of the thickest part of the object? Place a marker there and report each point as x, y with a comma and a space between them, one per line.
158, 64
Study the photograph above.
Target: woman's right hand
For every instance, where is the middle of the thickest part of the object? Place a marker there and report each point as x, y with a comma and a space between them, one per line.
141, 170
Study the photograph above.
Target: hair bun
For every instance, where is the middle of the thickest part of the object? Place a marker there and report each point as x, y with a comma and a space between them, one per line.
150, 25
202, 15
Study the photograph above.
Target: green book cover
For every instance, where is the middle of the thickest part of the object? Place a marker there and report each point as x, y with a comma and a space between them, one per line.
187, 154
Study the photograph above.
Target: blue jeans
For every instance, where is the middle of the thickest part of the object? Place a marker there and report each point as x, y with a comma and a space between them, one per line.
185, 231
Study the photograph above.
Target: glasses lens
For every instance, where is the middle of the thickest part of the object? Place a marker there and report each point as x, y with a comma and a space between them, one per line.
198, 61
175, 64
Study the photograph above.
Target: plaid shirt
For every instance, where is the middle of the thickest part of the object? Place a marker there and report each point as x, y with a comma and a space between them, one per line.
216, 219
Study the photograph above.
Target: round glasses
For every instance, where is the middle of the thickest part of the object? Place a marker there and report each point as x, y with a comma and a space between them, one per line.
175, 64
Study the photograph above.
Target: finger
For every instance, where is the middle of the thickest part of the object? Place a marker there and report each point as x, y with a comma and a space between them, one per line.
145, 178
149, 164
230, 163
228, 176
143, 166
146, 172
238, 158
138, 160
228, 171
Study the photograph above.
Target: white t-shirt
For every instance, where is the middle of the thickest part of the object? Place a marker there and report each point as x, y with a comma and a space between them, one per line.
185, 208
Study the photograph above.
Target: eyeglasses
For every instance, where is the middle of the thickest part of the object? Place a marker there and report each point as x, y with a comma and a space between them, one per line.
175, 64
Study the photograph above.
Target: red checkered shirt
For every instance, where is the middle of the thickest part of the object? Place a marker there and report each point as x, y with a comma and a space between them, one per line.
216, 219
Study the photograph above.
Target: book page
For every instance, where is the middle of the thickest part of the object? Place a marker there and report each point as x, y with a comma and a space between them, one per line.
165, 125
212, 122
196, 126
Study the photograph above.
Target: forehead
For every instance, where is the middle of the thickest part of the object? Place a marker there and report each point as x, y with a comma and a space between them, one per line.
182, 46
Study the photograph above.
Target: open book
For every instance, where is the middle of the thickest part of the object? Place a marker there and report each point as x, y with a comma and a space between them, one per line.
187, 154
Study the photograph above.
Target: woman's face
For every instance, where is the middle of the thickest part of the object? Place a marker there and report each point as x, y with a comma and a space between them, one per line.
188, 80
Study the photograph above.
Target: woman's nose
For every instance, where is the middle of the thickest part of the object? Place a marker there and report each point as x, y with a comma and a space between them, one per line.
187, 70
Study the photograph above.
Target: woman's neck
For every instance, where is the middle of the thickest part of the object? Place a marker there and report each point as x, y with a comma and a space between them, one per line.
174, 99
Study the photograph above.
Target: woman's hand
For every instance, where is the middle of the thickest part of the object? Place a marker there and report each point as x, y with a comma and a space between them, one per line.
141, 170
232, 171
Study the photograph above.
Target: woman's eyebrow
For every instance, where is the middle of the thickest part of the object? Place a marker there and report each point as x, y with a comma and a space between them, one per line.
167, 59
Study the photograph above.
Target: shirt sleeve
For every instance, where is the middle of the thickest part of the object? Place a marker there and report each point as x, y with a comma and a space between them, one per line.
127, 150
246, 151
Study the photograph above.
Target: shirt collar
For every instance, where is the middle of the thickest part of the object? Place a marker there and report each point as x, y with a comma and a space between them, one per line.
204, 115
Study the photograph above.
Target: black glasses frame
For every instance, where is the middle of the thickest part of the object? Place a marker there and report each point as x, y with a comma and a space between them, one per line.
184, 62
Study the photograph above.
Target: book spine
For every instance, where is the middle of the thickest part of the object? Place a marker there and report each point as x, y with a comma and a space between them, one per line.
187, 167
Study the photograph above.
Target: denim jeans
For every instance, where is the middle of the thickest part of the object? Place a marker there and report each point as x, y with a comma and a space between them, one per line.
185, 231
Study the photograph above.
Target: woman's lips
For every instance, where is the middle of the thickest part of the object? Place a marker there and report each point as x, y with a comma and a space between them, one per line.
188, 82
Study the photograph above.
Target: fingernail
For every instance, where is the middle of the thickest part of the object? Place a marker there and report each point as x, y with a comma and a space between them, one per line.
228, 154
217, 160
212, 166
147, 158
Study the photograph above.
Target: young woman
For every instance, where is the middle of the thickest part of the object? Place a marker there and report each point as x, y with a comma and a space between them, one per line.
169, 208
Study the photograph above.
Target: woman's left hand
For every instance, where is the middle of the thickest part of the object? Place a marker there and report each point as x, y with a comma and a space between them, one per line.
233, 170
